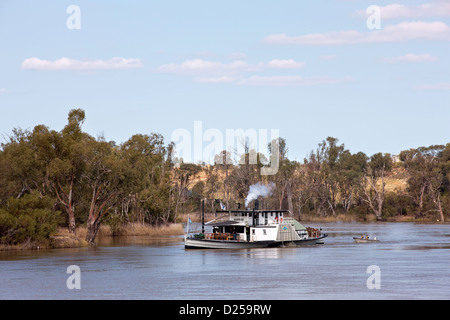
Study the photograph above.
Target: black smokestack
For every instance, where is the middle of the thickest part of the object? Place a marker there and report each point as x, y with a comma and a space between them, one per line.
256, 204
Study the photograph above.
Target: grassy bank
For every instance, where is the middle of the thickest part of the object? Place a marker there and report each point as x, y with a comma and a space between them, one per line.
64, 239
135, 229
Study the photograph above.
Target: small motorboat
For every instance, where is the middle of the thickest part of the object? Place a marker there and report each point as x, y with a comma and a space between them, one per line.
365, 239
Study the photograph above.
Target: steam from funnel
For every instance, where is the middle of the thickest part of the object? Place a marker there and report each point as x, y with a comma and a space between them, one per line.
259, 190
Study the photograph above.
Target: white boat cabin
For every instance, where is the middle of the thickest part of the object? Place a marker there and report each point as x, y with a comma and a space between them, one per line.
248, 226
257, 218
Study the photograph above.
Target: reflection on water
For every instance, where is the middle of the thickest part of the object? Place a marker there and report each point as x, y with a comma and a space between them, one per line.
413, 259
139, 241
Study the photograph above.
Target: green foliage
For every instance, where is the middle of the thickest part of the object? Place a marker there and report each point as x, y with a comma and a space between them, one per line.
397, 205
115, 222
380, 163
27, 219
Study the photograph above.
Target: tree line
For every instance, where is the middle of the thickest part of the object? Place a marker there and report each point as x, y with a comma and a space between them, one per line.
331, 181
68, 178
85, 179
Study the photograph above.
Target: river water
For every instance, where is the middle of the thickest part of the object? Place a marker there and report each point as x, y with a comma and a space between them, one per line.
411, 262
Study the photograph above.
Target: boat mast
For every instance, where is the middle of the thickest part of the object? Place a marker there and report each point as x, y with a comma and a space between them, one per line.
203, 216
187, 228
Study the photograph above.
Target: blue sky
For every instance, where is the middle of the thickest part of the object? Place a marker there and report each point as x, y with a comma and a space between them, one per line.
311, 69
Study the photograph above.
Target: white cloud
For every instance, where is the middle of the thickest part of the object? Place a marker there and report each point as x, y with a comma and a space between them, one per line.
400, 11
329, 57
205, 67
237, 55
3, 90
411, 58
199, 67
237, 72
281, 81
285, 64
221, 79
404, 31
116, 63
439, 86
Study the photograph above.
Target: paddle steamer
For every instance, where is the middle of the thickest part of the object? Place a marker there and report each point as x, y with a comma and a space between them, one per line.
243, 229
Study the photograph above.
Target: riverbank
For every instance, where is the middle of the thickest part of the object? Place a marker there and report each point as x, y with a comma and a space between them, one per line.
64, 239
369, 218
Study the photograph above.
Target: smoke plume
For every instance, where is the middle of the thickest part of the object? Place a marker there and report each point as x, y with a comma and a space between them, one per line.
259, 190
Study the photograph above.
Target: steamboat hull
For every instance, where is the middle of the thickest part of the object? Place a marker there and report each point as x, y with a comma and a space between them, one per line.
303, 242
191, 243
223, 244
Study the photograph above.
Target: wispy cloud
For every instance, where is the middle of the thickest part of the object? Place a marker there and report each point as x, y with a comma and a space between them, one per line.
296, 81
199, 67
116, 63
285, 64
401, 32
438, 86
400, 11
3, 90
328, 57
411, 58
220, 79
246, 74
206, 67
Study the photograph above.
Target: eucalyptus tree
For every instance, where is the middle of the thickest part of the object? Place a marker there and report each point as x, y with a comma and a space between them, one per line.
23, 163
106, 176
183, 175
224, 162
350, 176
148, 199
426, 167
322, 168
285, 179
374, 189
68, 163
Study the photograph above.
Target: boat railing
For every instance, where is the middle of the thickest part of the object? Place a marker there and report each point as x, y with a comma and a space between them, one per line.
313, 232
240, 219
221, 236
288, 220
